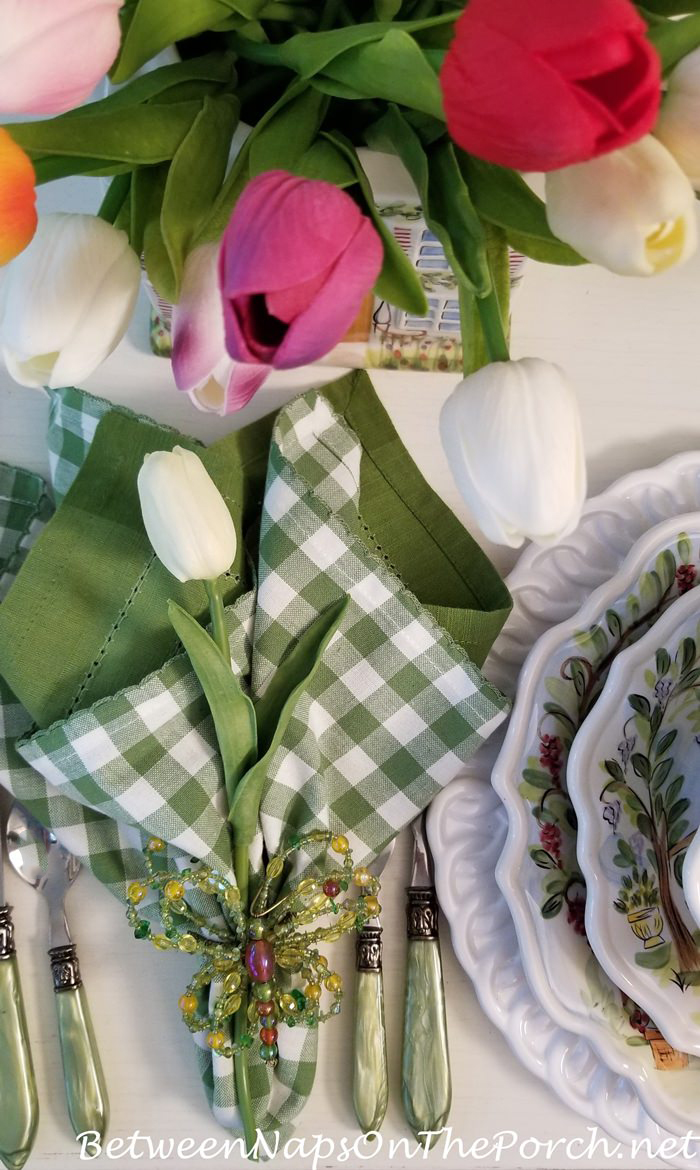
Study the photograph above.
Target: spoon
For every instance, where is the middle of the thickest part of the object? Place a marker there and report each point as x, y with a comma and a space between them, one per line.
19, 1108
38, 858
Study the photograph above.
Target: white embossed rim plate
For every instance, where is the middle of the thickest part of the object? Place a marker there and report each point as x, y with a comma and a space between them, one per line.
548, 586
632, 777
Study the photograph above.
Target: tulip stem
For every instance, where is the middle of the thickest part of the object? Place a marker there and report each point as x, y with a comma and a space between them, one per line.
264, 53
492, 327
240, 1023
218, 618
117, 193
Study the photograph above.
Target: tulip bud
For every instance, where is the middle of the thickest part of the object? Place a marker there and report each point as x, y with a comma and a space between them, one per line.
68, 299
185, 516
512, 436
632, 211
201, 366
17, 199
52, 55
297, 259
678, 125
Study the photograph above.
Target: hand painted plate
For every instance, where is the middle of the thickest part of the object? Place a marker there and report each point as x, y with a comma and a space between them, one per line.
548, 586
632, 776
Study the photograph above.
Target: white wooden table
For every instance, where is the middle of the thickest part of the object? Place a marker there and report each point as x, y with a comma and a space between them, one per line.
633, 349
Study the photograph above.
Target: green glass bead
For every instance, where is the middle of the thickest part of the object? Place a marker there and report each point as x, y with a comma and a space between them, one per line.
311, 1021
142, 930
295, 840
264, 992
172, 933
290, 1022
344, 885
268, 1052
256, 930
246, 1040
300, 998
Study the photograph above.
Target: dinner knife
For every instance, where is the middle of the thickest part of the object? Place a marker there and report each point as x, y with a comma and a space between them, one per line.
426, 1080
370, 1082
19, 1106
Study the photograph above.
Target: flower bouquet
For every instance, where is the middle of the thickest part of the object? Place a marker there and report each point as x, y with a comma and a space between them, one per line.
229, 150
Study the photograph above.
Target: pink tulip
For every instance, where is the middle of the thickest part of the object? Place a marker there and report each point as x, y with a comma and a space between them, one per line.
297, 259
201, 366
54, 52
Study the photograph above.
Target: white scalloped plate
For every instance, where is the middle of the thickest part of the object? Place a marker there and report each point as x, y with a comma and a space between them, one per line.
548, 586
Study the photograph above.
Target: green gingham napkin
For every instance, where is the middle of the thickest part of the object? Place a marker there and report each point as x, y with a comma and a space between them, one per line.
394, 710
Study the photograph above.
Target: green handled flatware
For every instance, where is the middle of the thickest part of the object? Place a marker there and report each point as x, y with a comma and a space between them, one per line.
19, 1107
40, 860
370, 1080
426, 1078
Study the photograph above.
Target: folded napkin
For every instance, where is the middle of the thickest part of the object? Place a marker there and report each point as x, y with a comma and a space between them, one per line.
396, 707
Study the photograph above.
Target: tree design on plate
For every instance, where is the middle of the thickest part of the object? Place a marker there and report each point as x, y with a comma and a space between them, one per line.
571, 695
648, 786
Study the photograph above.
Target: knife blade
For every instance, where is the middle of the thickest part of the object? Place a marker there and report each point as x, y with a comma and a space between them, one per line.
426, 1082
19, 1105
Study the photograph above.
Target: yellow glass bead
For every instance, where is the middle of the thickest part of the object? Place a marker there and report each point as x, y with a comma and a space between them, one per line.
321, 961
253, 1012
216, 1040
308, 886
347, 919
361, 876
318, 901
288, 1003
160, 942
340, 844
232, 897
187, 1004
333, 934
232, 982
155, 845
289, 960
187, 943
222, 964
312, 991
174, 891
372, 906
334, 982
232, 1003
275, 867
304, 917
136, 893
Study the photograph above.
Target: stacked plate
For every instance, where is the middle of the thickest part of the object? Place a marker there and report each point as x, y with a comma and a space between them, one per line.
572, 885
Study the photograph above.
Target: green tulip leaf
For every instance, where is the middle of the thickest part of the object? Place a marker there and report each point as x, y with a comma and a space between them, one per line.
150, 134
398, 282
245, 806
195, 177
674, 39
147, 193
324, 161
312, 52
153, 25
502, 197
232, 711
288, 135
393, 69
49, 167
387, 9
445, 198
669, 7
216, 69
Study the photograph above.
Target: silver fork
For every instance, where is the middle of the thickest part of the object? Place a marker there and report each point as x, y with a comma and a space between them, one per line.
370, 1083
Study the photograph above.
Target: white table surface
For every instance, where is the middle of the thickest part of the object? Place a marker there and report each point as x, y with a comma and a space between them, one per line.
633, 349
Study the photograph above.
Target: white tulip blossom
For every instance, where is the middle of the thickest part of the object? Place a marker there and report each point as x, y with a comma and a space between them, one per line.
678, 124
632, 210
512, 436
185, 516
67, 300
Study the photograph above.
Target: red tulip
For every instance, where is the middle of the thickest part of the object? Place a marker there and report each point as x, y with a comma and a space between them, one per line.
297, 259
17, 199
544, 84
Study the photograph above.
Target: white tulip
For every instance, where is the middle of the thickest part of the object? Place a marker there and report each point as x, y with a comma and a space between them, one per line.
185, 516
678, 124
632, 210
67, 300
512, 437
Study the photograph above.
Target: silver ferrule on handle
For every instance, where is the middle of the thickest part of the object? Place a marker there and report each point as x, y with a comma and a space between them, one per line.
426, 1079
370, 1087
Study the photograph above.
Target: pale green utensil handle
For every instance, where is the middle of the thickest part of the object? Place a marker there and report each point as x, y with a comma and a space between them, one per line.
86, 1093
19, 1107
426, 1079
370, 1081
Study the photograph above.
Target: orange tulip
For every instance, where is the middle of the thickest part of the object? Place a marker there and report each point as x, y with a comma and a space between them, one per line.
17, 199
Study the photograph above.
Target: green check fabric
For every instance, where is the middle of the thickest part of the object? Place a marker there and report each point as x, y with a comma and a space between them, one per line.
393, 712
